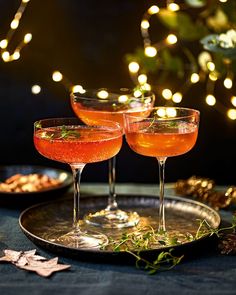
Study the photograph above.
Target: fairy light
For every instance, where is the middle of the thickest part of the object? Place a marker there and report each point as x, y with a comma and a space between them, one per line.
6, 56
103, 94
123, 98
194, 78
14, 24
177, 97
210, 100
161, 112
213, 76
16, 55
137, 93
171, 39
154, 9
173, 7
211, 66
13, 27
231, 113
142, 79
233, 100
207, 70
145, 24
27, 38
150, 51
146, 86
36, 89
3, 43
167, 94
133, 67
171, 112
57, 76
228, 83
78, 88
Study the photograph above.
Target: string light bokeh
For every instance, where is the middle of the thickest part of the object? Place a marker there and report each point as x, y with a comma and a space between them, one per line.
4, 43
200, 69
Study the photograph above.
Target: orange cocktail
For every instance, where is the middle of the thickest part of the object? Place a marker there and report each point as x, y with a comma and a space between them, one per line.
92, 116
82, 145
167, 132
162, 141
67, 140
93, 106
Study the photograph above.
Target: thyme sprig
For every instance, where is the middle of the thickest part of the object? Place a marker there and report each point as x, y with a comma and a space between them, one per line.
65, 133
146, 238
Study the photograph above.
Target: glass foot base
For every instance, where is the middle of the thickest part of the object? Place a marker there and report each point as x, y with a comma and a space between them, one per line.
112, 219
83, 240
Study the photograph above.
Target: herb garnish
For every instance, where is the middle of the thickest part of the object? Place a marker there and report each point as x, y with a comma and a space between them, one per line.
65, 133
146, 238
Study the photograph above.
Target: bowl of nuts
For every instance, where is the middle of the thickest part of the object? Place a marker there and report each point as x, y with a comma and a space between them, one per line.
24, 184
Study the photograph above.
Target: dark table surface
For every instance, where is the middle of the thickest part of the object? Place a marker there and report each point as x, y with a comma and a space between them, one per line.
208, 272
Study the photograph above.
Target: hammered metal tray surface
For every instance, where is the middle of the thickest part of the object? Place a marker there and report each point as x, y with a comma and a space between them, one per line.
44, 222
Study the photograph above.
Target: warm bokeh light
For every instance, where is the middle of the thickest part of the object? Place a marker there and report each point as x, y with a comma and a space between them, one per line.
6, 56
35, 89
173, 7
194, 78
137, 93
167, 94
145, 24
210, 100
78, 88
18, 15
171, 112
161, 112
211, 66
146, 86
3, 43
231, 113
16, 55
153, 9
177, 97
150, 51
103, 94
142, 79
233, 100
123, 98
228, 83
14, 24
133, 67
25, 1
57, 76
171, 39
213, 76
27, 38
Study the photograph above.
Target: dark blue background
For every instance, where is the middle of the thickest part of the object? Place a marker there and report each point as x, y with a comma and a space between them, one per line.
87, 41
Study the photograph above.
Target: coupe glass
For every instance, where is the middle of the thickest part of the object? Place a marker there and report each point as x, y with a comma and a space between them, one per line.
67, 140
167, 132
94, 105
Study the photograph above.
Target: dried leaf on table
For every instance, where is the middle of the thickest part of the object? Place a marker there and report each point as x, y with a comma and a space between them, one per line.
44, 268
28, 260
20, 257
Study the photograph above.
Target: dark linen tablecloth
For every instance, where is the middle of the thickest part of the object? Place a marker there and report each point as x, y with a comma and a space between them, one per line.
206, 273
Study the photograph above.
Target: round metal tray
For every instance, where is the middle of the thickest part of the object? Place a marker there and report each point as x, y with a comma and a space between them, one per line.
43, 223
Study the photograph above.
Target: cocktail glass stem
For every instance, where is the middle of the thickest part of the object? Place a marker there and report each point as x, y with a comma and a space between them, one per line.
161, 164
76, 171
112, 204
